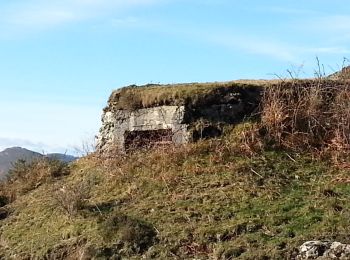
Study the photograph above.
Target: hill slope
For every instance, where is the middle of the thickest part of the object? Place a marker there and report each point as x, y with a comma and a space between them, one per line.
257, 192
200, 201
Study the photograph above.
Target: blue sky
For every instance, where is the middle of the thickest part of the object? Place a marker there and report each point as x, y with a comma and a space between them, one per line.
60, 59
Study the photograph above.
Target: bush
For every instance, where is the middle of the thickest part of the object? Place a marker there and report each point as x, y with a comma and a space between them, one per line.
24, 176
72, 198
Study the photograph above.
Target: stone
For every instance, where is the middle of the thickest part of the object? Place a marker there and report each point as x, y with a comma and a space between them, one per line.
323, 250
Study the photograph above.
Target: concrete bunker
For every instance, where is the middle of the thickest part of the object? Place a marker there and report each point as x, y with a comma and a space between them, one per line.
155, 115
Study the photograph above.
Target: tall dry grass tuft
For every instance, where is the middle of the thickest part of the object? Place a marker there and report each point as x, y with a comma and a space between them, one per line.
274, 113
72, 198
308, 115
340, 142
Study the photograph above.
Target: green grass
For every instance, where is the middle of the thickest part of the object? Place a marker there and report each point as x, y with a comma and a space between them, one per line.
203, 200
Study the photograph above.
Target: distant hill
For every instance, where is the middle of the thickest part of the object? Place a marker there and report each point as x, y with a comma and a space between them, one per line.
62, 157
10, 155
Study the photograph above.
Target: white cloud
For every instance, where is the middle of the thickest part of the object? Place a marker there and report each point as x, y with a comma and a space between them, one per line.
329, 23
41, 18
286, 10
33, 15
238, 41
33, 146
255, 45
270, 46
48, 126
126, 21
333, 29
329, 50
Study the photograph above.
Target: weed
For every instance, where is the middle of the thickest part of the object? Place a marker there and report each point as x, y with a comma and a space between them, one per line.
72, 198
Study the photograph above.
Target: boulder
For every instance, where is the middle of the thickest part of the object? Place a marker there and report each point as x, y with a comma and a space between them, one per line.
322, 250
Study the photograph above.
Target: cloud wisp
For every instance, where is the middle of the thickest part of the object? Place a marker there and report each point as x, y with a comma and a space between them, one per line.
36, 15
278, 50
37, 147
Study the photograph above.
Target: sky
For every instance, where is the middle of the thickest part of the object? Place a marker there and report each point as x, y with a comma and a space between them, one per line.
61, 59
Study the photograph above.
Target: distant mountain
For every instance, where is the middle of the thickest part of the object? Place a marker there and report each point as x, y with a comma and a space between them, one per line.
62, 157
10, 155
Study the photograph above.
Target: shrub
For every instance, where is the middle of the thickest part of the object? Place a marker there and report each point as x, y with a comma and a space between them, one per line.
72, 198
24, 176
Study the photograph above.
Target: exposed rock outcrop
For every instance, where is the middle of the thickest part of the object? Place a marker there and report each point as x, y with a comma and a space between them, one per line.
323, 250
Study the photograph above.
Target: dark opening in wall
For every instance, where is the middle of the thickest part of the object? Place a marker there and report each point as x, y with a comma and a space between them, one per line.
206, 132
147, 139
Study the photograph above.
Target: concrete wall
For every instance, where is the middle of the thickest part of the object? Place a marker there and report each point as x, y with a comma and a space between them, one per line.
116, 124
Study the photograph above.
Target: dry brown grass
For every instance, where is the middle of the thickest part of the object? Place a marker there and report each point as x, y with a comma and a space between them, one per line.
72, 198
312, 115
340, 142
205, 200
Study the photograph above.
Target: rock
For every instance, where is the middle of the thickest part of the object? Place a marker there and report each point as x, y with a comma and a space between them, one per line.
322, 250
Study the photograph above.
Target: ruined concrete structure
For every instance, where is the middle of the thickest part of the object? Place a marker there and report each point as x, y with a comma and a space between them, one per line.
125, 128
156, 115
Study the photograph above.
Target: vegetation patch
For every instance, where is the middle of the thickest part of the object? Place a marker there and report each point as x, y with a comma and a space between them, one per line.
128, 234
193, 95
311, 115
24, 176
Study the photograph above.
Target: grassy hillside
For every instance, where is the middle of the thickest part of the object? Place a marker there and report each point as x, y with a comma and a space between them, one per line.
204, 200
257, 192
